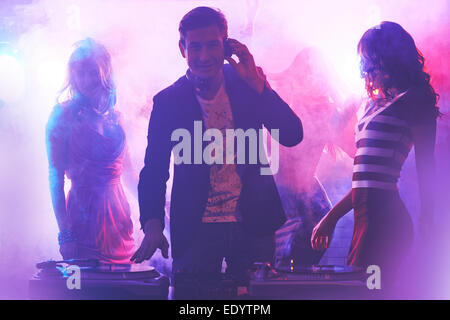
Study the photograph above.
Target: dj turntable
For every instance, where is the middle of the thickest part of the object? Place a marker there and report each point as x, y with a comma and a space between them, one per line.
308, 282
97, 281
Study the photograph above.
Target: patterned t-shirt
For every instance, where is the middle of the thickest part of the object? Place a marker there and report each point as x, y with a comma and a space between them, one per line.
225, 182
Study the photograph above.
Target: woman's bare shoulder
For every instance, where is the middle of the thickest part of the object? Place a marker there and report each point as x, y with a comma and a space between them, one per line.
61, 114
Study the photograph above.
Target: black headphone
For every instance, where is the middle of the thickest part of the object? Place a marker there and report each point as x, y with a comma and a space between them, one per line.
200, 84
228, 51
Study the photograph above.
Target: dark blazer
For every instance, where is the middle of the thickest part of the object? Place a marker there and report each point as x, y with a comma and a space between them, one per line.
177, 107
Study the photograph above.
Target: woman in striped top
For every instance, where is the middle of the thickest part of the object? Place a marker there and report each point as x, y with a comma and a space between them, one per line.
401, 112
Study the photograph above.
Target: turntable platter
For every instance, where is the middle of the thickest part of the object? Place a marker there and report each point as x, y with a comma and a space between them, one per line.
97, 270
98, 281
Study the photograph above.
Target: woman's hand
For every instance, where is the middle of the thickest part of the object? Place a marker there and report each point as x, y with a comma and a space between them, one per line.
322, 232
68, 250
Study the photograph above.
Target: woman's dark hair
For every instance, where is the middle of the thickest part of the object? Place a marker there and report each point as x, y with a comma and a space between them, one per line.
202, 17
389, 49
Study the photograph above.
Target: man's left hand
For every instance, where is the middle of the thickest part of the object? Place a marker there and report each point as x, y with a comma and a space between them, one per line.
246, 68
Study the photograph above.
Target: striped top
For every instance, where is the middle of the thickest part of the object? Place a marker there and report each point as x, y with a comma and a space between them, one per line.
383, 142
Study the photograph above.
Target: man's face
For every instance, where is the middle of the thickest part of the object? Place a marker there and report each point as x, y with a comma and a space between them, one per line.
204, 51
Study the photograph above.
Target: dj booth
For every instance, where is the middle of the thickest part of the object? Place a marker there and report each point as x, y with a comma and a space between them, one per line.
308, 283
109, 282
97, 281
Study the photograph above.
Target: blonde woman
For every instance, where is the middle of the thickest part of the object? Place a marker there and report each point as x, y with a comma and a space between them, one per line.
86, 142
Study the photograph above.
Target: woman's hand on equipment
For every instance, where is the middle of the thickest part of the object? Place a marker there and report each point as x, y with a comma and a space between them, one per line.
322, 232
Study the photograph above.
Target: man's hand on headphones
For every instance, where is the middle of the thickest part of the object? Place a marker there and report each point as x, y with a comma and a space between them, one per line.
246, 67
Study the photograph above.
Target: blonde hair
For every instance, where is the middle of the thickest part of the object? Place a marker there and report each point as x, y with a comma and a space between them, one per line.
89, 49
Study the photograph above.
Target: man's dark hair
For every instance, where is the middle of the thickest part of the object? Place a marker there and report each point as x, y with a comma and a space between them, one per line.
202, 17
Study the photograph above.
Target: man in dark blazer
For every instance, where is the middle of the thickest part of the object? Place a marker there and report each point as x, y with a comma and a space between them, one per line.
202, 232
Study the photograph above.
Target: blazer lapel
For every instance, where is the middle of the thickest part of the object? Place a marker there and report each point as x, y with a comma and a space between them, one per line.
190, 107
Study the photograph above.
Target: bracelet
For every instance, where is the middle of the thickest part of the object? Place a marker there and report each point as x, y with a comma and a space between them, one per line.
66, 236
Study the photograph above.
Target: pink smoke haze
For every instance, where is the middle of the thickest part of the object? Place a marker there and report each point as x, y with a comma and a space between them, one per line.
142, 37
